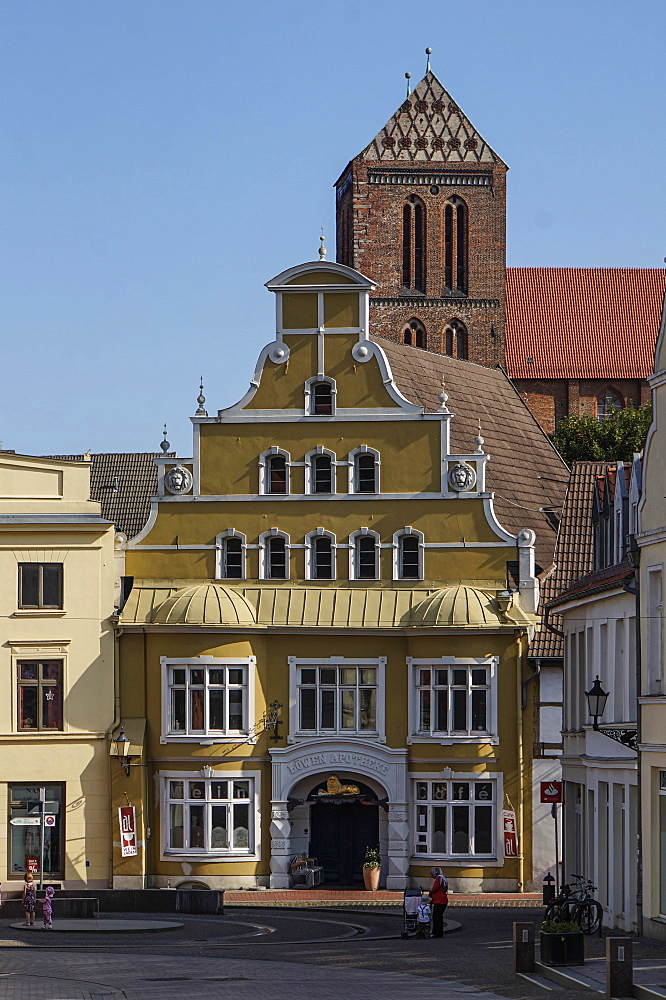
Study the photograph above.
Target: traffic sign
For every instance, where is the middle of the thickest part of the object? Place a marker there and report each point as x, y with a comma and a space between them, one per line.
551, 791
49, 820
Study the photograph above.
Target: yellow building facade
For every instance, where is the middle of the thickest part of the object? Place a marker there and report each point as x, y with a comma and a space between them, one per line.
57, 648
319, 652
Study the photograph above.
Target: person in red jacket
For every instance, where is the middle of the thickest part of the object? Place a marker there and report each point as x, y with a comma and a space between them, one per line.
440, 898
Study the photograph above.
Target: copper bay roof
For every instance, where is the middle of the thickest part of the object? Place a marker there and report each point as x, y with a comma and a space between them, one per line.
582, 322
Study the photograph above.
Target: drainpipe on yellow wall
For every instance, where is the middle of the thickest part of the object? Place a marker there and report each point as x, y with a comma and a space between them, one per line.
117, 632
521, 776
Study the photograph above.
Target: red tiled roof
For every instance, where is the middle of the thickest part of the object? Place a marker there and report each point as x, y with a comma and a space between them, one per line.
594, 583
582, 322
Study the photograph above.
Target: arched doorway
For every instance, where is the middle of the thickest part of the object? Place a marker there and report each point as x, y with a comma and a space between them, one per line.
341, 827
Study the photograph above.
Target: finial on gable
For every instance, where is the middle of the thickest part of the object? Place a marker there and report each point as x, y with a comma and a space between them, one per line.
408, 77
443, 398
428, 53
322, 248
478, 440
201, 399
165, 444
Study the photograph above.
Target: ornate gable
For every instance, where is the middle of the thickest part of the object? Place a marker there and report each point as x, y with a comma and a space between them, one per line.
429, 127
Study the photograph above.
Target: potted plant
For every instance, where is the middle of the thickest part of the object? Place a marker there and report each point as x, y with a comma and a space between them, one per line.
562, 943
372, 863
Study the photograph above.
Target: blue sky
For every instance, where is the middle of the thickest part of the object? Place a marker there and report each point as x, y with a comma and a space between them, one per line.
164, 158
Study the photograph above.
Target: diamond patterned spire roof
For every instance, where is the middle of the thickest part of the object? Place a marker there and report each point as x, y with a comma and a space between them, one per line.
429, 127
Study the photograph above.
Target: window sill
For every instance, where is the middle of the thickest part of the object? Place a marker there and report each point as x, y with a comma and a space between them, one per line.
447, 741
207, 858
308, 737
39, 613
201, 739
466, 861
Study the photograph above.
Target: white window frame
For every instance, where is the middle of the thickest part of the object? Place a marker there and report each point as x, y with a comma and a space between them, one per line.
263, 554
209, 737
353, 556
397, 567
309, 396
295, 734
452, 662
353, 478
264, 477
220, 554
310, 473
495, 858
310, 555
208, 775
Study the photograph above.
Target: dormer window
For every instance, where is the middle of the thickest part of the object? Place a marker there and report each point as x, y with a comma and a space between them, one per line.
365, 470
274, 472
320, 396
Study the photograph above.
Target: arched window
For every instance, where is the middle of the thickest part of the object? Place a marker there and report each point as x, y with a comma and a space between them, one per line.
274, 471
231, 547
320, 555
320, 396
408, 547
455, 245
364, 555
274, 549
609, 401
455, 340
364, 468
321, 471
414, 333
414, 244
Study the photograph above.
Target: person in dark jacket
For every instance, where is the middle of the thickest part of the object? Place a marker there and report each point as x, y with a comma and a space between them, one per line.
440, 898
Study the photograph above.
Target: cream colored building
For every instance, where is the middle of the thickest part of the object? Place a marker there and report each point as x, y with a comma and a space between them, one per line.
56, 656
652, 700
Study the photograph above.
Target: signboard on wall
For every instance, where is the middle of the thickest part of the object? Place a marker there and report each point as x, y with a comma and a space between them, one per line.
127, 820
551, 791
32, 866
510, 834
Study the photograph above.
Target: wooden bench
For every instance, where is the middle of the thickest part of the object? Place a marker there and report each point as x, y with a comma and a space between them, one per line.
305, 871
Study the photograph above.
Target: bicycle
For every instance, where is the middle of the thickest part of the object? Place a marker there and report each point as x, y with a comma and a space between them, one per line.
559, 908
587, 911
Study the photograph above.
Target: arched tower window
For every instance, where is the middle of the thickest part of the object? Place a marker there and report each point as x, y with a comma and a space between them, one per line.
456, 340
414, 334
455, 245
414, 244
609, 401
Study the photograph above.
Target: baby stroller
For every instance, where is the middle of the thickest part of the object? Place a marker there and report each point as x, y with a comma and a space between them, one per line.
410, 907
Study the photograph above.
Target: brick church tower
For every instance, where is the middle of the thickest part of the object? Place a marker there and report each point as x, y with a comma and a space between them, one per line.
422, 211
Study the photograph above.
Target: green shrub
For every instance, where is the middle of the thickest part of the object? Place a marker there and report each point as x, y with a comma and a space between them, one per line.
560, 927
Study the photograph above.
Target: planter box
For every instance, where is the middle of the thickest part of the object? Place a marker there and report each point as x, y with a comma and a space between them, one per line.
200, 901
563, 949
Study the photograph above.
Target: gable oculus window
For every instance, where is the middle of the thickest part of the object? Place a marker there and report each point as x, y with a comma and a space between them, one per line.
364, 470
274, 552
231, 548
39, 695
40, 586
320, 549
320, 396
210, 816
456, 818
454, 699
338, 696
274, 468
408, 549
364, 555
206, 697
320, 465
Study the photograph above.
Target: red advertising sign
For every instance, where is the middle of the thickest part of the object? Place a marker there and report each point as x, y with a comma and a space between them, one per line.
510, 834
127, 819
551, 791
32, 866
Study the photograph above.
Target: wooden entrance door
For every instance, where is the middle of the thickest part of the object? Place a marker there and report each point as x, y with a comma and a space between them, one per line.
339, 835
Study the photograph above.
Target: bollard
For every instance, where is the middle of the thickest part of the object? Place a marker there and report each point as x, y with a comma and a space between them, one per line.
619, 967
523, 947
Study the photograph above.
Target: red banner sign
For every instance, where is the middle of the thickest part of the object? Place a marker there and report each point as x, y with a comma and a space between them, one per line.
551, 791
32, 866
127, 819
510, 834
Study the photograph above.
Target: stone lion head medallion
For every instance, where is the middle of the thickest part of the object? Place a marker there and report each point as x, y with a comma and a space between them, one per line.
462, 477
178, 480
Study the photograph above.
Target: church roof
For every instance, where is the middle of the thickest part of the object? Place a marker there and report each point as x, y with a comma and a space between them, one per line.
429, 127
525, 472
582, 322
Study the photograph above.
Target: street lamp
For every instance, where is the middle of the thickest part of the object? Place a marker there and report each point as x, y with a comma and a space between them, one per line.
122, 745
596, 701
